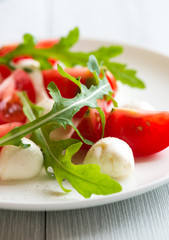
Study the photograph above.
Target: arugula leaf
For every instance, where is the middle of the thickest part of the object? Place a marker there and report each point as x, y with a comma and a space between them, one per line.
68, 41
93, 65
66, 75
63, 110
126, 76
62, 51
86, 179
29, 40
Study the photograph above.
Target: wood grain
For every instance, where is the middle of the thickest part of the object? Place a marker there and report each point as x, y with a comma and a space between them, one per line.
15, 225
138, 218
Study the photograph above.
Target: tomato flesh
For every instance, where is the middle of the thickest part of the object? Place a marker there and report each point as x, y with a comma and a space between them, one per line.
145, 132
23, 83
90, 125
69, 89
47, 43
10, 104
4, 72
7, 127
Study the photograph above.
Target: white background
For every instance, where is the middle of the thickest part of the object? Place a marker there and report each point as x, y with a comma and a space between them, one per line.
139, 22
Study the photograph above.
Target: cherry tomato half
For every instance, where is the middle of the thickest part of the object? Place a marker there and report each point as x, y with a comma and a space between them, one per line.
7, 127
90, 125
69, 89
10, 104
146, 132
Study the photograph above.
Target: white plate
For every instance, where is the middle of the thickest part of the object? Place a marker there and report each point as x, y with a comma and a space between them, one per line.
44, 194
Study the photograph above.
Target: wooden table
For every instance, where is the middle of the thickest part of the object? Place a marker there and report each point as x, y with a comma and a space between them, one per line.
142, 217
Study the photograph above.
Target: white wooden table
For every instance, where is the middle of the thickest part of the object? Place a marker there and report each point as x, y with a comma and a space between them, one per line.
138, 22
142, 217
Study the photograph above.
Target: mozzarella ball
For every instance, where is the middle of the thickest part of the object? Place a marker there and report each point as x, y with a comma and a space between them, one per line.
20, 163
114, 156
141, 105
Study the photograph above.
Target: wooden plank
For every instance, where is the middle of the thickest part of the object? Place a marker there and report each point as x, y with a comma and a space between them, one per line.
17, 225
142, 217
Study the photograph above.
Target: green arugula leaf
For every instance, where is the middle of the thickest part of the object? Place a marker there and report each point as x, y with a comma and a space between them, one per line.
62, 51
68, 41
86, 179
126, 76
66, 75
29, 40
63, 110
93, 65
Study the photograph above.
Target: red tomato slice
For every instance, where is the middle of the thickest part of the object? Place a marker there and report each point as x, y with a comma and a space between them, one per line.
11, 110
23, 83
90, 125
10, 105
4, 72
67, 88
47, 43
6, 49
19, 80
112, 81
7, 127
146, 132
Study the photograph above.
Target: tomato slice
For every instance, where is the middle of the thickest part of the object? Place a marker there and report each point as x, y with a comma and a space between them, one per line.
90, 125
6, 49
10, 104
11, 110
112, 81
19, 80
67, 88
146, 132
23, 82
7, 127
47, 43
4, 72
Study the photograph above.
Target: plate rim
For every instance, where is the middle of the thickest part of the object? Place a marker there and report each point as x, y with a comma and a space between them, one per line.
89, 202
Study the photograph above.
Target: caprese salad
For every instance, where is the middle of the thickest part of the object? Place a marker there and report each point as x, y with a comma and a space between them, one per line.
54, 102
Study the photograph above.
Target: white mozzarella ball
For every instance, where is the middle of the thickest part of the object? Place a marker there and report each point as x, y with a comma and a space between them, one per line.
20, 163
141, 105
113, 155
